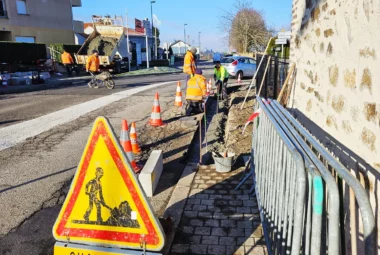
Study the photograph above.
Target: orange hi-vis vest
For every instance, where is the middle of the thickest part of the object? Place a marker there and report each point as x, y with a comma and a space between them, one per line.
196, 88
189, 63
93, 63
66, 58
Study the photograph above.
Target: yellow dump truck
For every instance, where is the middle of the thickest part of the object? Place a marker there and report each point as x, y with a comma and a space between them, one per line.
109, 39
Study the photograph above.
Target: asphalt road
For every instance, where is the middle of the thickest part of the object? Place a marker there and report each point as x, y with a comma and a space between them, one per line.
15, 108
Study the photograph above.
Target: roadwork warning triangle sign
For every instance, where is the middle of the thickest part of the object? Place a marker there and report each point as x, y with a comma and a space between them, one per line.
106, 205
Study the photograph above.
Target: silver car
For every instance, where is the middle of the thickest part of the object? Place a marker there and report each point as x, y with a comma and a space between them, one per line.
236, 65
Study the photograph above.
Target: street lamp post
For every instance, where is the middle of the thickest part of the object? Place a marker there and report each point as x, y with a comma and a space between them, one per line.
199, 40
184, 33
155, 30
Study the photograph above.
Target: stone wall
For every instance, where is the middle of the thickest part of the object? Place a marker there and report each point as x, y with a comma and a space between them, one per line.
336, 47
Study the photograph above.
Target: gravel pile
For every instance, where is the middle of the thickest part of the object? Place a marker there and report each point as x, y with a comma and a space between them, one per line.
105, 45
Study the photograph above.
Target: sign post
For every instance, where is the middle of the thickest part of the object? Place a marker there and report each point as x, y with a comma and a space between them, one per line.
147, 50
148, 33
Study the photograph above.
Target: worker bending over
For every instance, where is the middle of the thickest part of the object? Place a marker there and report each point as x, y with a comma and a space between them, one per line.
221, 77
195, 93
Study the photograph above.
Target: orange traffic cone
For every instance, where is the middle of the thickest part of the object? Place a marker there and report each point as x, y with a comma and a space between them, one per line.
178, 96
210, 87
155, 119
135, 146
127, 146
239, 78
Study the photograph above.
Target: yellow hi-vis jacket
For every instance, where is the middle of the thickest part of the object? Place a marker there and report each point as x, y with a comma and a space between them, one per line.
189, 63
221, 74
196, 88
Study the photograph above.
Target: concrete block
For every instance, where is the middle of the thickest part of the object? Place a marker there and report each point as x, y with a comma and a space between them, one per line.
151, 173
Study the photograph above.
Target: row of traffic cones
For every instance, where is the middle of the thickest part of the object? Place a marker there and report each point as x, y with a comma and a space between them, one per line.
128, 140
178, 96
129, 144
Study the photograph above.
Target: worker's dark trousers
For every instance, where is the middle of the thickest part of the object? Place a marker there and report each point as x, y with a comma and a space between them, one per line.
194, 107
69, 69
222, 87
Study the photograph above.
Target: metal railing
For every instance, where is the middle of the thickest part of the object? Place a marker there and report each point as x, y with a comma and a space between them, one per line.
360, 193
280, 183
298, 196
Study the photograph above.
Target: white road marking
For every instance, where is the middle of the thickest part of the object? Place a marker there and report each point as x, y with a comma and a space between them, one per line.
18, 133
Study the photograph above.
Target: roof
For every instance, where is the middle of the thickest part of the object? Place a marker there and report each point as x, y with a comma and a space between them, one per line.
83, 35
133, 32
179, 41
86, 25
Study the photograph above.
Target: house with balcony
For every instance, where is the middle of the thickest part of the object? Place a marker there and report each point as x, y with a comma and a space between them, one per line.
38, 21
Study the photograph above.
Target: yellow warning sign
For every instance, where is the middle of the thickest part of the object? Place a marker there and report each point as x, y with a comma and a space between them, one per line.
105, 204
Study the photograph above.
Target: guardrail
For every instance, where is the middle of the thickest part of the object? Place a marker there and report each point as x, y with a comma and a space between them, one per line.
298, 196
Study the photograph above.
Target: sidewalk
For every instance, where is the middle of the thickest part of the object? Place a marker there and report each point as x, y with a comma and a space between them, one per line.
218, 219
54, 81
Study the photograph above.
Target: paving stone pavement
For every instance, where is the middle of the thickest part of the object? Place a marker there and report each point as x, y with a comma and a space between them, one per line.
218, 219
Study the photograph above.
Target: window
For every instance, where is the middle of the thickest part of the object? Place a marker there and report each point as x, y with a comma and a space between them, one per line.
3, 10
228, 60
21, 7
25, 39
252, 61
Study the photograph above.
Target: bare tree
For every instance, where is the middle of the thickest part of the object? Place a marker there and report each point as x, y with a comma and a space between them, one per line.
246, 28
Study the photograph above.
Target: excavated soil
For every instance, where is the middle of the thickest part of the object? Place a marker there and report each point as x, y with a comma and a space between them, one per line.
105, 46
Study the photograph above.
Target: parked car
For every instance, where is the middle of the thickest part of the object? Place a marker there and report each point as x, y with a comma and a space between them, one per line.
236, 65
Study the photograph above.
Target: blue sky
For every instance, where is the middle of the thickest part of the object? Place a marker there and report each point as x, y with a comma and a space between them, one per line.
200, 15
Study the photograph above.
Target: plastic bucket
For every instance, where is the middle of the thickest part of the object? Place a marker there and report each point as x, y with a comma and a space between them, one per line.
223, 165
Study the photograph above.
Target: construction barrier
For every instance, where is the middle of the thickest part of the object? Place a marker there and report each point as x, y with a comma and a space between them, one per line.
298, 196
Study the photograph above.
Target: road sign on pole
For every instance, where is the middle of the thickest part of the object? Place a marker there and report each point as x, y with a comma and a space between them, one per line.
281, 41
148, 28
285, 35
106, 205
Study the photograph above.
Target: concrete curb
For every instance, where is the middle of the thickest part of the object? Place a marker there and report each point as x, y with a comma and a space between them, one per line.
32, 88
150, 74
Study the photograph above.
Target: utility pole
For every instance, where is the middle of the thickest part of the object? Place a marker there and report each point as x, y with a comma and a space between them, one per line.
199, 41
184, 35
129, 52
155, 30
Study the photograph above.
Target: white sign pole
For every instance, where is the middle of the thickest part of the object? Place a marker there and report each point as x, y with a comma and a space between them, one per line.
147, 49
282, 51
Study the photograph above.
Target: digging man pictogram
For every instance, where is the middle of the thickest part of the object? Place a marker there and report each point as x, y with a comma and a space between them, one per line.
95, 194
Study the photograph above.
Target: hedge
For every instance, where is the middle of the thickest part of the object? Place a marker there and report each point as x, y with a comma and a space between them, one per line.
15, 52
58, 49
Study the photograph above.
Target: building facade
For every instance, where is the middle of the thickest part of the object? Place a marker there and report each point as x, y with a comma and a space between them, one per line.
336, 92
38, 21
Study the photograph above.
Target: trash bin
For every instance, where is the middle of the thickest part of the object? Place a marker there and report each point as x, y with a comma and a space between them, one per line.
223, 165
